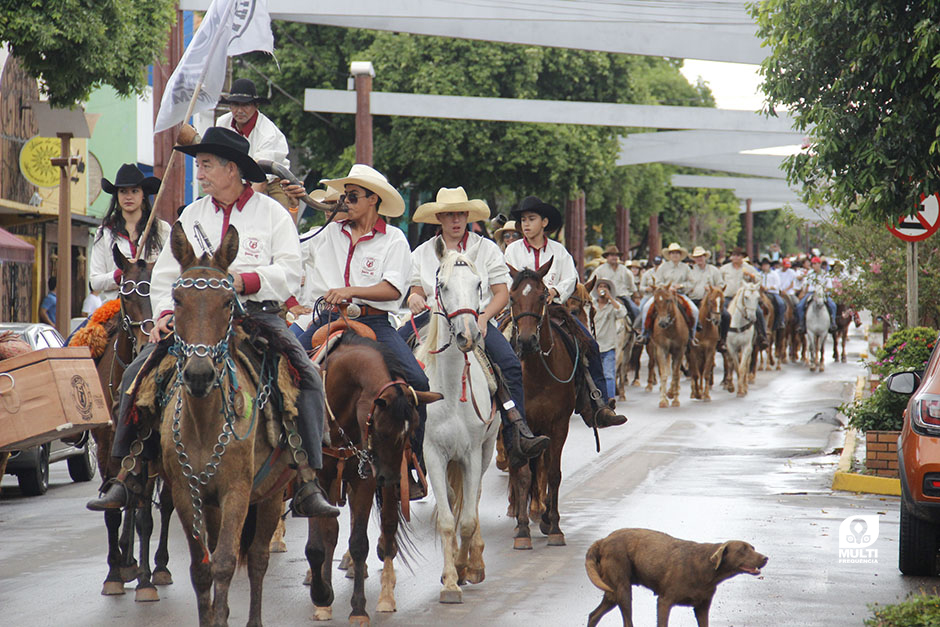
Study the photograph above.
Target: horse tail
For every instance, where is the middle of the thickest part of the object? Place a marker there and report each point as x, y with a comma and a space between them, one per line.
592, 562
248, 533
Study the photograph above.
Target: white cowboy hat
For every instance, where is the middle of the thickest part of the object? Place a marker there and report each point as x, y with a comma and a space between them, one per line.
674, 247
326, 195
509, 226
699, 251
374, 181
452, 199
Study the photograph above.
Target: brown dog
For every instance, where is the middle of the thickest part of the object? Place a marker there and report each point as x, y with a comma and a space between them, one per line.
679, 572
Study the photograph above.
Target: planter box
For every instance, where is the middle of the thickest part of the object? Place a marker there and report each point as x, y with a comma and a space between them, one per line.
881, 453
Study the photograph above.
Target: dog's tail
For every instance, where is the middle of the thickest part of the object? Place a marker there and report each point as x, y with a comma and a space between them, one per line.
591, 562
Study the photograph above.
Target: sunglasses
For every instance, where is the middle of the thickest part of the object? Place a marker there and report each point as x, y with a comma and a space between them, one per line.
353, 197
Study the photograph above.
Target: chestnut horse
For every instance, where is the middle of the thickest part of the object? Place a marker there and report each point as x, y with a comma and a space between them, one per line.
371, 415
126, 334
668, 342
702, 354
212, 453
844, 317
551, 394
765, 358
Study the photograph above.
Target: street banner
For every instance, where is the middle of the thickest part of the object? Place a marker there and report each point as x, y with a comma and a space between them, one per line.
229, 27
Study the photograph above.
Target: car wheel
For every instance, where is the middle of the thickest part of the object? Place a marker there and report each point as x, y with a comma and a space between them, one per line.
35, 481
82, 467
917, 545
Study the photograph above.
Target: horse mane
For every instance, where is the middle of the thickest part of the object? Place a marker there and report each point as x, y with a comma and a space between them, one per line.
351, 338
735, 302
557, 310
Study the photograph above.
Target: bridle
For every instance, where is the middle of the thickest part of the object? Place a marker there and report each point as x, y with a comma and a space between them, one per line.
442, 309
127, 288
540, 318
218, 352
666, 319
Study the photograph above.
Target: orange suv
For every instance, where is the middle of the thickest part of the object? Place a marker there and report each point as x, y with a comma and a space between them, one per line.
919, 467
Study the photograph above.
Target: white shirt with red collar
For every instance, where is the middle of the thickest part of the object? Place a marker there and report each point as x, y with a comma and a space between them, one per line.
484, 253
103, 273
265, 139
268, 259
333, 260
563, 276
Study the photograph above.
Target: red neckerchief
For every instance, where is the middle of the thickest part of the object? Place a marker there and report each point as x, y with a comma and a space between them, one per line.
378, 228
248, 126
129, 241
529, 247
227, 209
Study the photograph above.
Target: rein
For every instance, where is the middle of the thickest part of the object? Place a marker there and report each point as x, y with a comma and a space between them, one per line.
442, 311
538, 331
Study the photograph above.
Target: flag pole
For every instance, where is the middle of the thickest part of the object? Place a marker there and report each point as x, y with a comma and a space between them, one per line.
172, 161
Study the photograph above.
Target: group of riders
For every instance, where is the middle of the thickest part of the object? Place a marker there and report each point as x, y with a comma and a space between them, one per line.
363, 268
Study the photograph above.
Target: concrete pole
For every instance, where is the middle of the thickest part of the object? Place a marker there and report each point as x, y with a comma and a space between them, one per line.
63, 289
749, 229
363, 72
913, 315
653, 242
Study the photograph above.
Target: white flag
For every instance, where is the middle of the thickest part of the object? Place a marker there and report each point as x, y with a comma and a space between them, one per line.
229, 27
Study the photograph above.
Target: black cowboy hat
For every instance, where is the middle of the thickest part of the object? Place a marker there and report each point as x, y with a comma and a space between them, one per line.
243, 91
536, 205
228, 144
129, 175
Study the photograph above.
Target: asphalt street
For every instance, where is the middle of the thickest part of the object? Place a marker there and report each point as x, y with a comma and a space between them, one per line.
757, 469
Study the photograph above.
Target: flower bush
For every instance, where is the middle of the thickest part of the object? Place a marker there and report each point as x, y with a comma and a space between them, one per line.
907, 349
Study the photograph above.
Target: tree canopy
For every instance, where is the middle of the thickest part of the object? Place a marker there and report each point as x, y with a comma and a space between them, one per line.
74, 46
861, 79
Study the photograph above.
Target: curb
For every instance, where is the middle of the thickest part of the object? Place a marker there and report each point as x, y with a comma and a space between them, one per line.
846, 481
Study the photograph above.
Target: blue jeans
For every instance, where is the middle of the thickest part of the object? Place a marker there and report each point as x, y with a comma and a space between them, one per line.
392, 341
500, 352
594, 364
609, 362
801, 311
780, 310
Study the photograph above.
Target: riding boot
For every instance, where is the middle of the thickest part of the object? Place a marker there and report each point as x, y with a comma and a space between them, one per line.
606, 416
310, 499
521, 444
119, 489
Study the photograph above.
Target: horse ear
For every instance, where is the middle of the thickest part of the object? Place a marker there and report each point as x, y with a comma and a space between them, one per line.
512, 271
589, 286
439, 248
181, 248
426, 398
119, 259
381, 403
228, 249
543, 271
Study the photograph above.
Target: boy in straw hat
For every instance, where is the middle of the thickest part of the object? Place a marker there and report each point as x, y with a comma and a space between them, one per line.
452, 211
606, 318
363, 261
704, 275
621, 277
264, 273
675, 273
536, 219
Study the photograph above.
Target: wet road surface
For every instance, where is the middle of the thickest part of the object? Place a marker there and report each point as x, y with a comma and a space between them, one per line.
755, 469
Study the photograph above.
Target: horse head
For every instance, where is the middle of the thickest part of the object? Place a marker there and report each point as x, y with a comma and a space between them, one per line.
711, 305
136, 311
459, 293
203, 309
392, 421
664, 305
749, 300
528, 305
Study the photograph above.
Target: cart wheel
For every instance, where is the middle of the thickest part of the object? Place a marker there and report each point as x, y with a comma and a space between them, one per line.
35, 481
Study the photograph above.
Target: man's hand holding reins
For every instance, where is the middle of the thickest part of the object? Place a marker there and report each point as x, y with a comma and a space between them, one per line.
161, 328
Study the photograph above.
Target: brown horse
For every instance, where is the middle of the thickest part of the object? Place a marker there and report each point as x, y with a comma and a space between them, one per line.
213, 448
549, 380
702, 354
580, 304
669, 341
372, 413
844, 317
126, 334
765, 358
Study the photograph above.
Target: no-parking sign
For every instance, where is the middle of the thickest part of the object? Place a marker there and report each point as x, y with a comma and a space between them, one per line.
922, 224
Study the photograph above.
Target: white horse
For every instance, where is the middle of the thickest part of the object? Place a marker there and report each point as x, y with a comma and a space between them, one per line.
460, 434
740, 342
817, 328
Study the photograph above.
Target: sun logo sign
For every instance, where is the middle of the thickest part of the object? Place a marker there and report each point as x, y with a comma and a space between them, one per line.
856, 536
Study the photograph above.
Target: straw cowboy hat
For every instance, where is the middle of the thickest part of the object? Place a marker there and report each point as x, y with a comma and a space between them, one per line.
226, 143
243, 91
129, 175
452, 199
676, 248
326, 195
510, 226
371, 179
611, 250
611, 289
700, 252
536, 205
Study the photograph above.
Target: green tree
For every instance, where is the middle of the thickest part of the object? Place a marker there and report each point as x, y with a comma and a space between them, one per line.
860, 78
74, 46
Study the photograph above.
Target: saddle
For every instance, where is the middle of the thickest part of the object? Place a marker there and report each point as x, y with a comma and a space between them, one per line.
683, 306
329, 330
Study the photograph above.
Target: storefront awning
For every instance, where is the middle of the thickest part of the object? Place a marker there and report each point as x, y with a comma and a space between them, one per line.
13, 249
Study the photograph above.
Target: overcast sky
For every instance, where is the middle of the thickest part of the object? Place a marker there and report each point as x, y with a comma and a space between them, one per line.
735, 85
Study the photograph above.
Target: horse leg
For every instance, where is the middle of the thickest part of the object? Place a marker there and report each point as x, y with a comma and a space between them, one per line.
114, 582
321, 542
552, 516
662, 359
708, 367
744, 367
539, 488
267, 518
277, 540
128, 563
200, 568
520, 480
845, 336
146, 591
674, 387
234, 510
387, 548
730, 368
360, 504
822, 353
161, 574
469, 522
446, 526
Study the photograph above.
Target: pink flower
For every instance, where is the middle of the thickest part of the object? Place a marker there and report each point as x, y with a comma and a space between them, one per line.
875, 267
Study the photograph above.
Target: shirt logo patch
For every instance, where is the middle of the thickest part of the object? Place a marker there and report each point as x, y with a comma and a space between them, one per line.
252, 247
369, 265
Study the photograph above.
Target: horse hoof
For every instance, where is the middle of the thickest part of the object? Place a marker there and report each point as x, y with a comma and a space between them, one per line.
812, 368
663, 404
112, 588
635, 384
649, 388
556, 539
323, 613
675, 402
385, 605
146, 595
162, 578
278, 546
129, 573
742, 394
502, 464
345, 562
475, 575
545, 527
309, 578
362, 621
451, 596
522, 544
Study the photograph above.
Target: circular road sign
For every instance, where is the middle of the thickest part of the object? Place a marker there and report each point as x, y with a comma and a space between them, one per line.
922, 224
